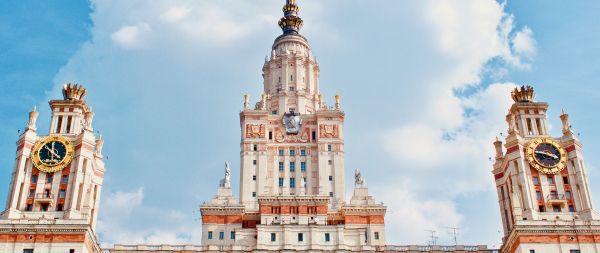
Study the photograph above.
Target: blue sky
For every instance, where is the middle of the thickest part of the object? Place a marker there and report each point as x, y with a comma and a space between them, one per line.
424, 85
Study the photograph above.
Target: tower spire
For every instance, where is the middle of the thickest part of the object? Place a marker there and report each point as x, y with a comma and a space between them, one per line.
290, 23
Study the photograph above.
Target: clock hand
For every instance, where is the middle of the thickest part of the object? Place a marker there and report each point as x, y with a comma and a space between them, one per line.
52, 152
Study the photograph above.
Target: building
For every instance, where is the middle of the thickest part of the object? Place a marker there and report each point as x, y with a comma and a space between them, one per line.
543, 189
292, 178
56, 182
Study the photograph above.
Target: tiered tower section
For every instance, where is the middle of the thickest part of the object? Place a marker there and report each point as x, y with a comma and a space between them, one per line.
56, 182
543, 189
292, 176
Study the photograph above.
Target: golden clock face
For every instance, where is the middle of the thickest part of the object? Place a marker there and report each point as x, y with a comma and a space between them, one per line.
546, 155
52, 153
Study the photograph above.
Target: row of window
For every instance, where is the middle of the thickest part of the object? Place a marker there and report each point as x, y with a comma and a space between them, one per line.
221, 235
292, 152
49, 179
327, 237
31, 251
292, 182
570, 251
293, 166
536, 180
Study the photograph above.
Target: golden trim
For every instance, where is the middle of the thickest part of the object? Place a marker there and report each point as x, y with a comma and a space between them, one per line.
40, 165
540, 167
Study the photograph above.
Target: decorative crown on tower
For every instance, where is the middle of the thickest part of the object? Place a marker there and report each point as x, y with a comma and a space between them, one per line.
73, 92
524, 94
290, 23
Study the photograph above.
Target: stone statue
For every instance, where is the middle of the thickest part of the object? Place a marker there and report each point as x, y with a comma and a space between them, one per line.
227, 180
33, 115
358, 179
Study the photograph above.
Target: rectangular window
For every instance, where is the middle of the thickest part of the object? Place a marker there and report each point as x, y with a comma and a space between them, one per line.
59, 207
72, 251
59, 124
65, 179
69, 119
327, 237
254, 147
568, 194
574, 251
292, 166
253, 194
565, 180
571, 208
281, 152
550, 179
34, 179
314, 135
531, 251
271, 133
31, 193
300, 237
376, 235
49, 179
253, 162
61, 194
44, 208
292, 182
232, 236
292, 152
27, 250
556, 209
553, 195
273, 237
538, 194
330, 178
302, 152
29, 207
221, 235
303, 166
330, 194
280, 166
47, 193
209, 235
330, 162
274, 113
536, 180
329, 147
254, 178
280, 182
541, 208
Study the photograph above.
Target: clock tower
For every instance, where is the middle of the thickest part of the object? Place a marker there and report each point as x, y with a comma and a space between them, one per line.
542, 183
56, 182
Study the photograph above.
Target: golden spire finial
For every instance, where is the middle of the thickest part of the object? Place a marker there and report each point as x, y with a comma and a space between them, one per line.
337, 101
246, 101
73, 92
524, 94
290, 23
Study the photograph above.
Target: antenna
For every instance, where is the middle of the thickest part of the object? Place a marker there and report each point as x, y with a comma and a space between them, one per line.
433, 237
454, 233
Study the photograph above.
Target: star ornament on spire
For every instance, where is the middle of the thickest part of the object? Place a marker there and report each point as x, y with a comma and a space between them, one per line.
290, 23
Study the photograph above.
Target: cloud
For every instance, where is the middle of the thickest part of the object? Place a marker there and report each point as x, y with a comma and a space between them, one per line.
129, 36
175, 14
524, 43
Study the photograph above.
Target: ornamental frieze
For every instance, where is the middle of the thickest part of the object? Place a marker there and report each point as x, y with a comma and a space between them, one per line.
255, 131
328, 131
302, 136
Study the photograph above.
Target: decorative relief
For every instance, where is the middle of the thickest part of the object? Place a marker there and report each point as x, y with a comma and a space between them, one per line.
302, 137
255, 130
328, 131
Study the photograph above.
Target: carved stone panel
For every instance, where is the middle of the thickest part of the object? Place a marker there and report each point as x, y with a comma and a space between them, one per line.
255, 131
328, 131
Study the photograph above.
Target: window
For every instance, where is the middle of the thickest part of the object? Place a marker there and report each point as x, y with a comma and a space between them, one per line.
221, 235
292, 110
531, 251
376, 235
280, 166
536, 180
44, 207
538, 194
300, 237
571, 208
59, 124
280, 182
271, 133
253, 194
254, 178
330, 178
291, 77
303, 166
329, 147
253, 162
550, 180
302, 152
574, 251
47, 193
29, 207
314, 135
72, 251
541, 208
292, 152
31, 193
553, 195
254, 147
292, 166
209, 235
65, 179
568, 194
49, 179
565, 180
292, 182
34, 179
281, 152
273, 237
27, 250
327, 237
556, 208
330, 194
61, 194
274, 113
232, 235
330, 162
59, 207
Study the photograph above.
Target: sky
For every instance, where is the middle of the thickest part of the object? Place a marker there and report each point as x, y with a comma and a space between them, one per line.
425, 86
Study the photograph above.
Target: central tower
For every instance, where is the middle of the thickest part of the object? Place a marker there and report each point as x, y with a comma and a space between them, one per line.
291, 143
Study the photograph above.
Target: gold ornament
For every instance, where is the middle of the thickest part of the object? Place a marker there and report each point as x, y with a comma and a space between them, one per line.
52, 154
546, 155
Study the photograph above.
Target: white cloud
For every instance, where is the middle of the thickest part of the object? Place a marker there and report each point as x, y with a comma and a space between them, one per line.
129, 36
524, 43
175, 14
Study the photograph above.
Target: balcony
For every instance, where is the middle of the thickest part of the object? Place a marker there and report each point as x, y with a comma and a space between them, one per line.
44, 198
556, 199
